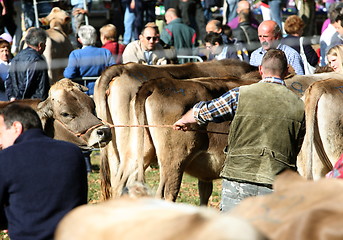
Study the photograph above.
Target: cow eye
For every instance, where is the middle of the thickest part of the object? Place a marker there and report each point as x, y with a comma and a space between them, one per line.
64, 114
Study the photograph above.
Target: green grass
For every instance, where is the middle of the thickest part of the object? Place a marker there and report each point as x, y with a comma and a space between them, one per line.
188, 192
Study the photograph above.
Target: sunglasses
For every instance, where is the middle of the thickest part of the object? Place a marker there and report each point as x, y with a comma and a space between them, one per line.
153, 38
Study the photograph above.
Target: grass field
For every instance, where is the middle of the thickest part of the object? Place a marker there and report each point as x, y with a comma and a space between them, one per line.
188, 193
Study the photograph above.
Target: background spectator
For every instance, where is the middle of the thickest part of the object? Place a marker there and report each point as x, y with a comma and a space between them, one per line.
269, 34
108, 37
89, 61
335, 58
178, 34
192, 14
28, 75
307, 11
245, 33
145, 12
7, 17
146, 50
129, 20
218, 50
217, 27
5, 61
229, 10
243, 5
294, 26
79, 12
327, 35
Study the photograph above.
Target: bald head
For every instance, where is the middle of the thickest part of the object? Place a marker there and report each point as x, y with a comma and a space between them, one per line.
269, 33
170, 15
242, 5
214, 26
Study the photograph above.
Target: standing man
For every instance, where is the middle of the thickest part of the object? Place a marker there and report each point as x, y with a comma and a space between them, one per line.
28, 75
269, 34
266, 131
41, 179
146, 50
80, 10
178, 34
192, 14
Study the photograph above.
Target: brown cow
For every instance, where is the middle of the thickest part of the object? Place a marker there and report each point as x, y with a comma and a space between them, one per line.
118, 85
323, 143
153, 219
161, 102
129, 170
58, 45
68, 114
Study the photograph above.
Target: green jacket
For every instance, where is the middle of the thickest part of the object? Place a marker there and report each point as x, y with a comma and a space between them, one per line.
180, 36
265, 134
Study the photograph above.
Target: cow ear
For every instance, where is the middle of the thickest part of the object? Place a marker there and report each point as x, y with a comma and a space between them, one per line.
81, 87
44, 111
67, 19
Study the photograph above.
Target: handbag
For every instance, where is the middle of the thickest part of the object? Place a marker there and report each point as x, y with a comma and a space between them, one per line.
309, 69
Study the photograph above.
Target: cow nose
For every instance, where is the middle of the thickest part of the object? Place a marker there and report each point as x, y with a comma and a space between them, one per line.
104, 134
100, 132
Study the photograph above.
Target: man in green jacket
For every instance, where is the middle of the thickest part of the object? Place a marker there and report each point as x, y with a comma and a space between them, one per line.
177, 34
266, 131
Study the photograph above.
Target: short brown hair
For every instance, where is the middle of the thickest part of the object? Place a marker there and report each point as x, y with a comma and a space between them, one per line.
275, 61
294, 24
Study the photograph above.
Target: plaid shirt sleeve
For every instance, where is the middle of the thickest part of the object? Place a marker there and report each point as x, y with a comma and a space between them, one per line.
217, 110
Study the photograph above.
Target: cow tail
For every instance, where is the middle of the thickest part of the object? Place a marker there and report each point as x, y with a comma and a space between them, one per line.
140, 101
101, 88
312, 96
105, 175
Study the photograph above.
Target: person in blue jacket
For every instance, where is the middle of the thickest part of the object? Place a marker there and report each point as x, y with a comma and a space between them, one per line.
89, 61
41, 179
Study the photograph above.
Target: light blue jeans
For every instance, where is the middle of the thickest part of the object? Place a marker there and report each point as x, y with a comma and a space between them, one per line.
234, 192
231, 9
275, 11
129, 19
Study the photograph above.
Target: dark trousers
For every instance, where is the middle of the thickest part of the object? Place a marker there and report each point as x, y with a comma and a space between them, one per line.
192, 14
145, 12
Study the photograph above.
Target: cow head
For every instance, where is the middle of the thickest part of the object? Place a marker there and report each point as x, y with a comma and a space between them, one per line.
68, 114
58, 19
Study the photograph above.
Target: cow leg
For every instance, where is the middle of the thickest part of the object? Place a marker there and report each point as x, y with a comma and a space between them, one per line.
170, 183
173, 185
205, 191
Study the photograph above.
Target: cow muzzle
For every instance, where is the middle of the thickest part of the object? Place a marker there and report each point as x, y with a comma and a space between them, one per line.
100, 136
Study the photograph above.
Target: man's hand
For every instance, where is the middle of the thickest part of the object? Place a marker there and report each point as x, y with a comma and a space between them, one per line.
181, 125
185, 121
78, 11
